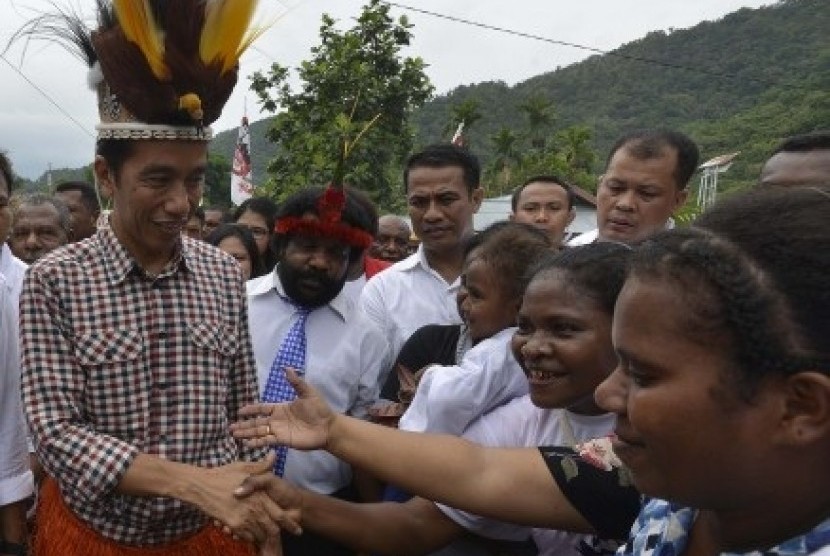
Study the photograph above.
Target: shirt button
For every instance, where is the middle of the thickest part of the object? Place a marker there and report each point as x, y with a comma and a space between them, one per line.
162, 334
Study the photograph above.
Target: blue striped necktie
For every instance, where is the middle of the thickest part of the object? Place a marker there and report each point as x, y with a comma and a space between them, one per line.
292, 354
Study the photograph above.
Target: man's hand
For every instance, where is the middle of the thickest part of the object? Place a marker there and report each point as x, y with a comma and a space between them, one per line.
304, 423
284, 494
256, 518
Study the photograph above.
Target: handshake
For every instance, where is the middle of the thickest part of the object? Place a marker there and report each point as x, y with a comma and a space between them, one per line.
263, 505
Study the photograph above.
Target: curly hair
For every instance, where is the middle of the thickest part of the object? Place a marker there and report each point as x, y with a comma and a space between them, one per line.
509, 249
753, 270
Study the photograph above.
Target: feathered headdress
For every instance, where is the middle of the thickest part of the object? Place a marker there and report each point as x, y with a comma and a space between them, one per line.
162, 69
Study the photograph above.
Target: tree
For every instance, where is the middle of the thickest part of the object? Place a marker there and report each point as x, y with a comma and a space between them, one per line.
506, 154
467, 112
218, 181
540, 117
353, 78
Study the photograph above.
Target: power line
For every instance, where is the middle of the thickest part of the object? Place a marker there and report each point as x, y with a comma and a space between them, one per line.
522, 34
45, 95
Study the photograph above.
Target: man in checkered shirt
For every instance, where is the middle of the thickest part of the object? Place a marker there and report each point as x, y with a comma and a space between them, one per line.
136, 352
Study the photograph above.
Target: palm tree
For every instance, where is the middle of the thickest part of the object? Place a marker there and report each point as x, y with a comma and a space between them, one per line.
505, 153
540, 116
576, 147
466, 112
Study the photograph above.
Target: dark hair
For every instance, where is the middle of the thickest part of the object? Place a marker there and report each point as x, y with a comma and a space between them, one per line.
262, 206
509, 249
597, 270
267, 209
115, 152
754, 269
200, 214
546, 178
87, 191
39, 199
245, 236
362, 198
815, 141
6, 170
220, 208
648, 144
305, 202
443, 155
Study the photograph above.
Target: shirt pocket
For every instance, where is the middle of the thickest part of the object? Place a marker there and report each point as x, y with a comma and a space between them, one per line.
217, 345
116, 391
216, 337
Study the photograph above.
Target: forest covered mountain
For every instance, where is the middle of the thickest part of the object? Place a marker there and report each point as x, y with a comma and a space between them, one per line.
737, 84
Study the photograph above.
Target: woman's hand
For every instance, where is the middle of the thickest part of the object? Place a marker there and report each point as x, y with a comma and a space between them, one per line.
304, 424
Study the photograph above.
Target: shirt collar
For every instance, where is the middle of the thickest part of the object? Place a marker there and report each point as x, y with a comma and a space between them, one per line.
419, 258
272, 282
119, 263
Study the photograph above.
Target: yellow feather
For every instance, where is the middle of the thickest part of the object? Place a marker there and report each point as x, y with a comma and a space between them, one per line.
226, 34
140, 28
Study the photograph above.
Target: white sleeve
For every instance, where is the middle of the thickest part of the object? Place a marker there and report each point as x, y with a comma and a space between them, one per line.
374, 361
449, 398
371, 303
16, 480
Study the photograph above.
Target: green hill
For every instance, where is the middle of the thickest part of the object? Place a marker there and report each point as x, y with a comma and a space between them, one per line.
758, 75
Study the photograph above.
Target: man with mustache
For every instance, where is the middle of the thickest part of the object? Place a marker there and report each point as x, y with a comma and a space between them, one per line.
41, 224
644, 183
443, 193
300, 317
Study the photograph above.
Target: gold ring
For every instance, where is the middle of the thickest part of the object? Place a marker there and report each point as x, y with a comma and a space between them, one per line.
270, 432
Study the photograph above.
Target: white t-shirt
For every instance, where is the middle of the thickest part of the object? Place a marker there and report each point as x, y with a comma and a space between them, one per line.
449, 398
345, 355
522, 424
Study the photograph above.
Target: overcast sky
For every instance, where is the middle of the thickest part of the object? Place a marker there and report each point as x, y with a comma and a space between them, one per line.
35, 133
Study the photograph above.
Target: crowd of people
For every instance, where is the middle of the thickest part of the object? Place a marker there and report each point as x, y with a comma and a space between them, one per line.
294, 378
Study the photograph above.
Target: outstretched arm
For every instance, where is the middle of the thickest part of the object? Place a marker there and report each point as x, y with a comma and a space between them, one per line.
447, 469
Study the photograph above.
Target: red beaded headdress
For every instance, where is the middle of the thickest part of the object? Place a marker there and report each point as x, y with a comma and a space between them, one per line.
330, 207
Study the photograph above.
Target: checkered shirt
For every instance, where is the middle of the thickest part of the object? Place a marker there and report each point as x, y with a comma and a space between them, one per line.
117, 363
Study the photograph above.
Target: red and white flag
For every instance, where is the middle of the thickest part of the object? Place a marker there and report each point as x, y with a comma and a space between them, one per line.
242, 184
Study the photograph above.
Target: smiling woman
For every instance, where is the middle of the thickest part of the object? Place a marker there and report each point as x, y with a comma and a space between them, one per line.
722, 398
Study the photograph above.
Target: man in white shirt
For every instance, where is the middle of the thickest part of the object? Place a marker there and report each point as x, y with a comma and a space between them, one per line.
344, 352
12, 268
443, 193
644, 183
16, 480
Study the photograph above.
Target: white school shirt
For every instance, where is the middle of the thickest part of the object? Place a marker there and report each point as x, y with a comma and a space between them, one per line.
450, 398
522, 424
16, 480
345, 353
408, 295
